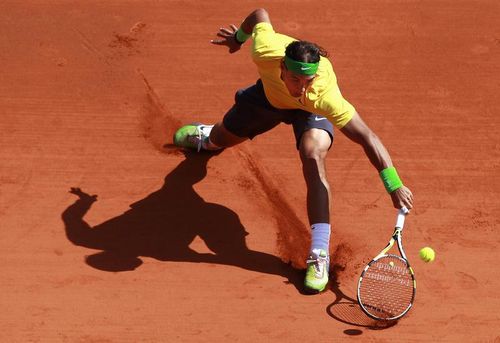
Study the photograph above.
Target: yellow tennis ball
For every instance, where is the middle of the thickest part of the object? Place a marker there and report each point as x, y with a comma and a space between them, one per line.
427, 254
391, 264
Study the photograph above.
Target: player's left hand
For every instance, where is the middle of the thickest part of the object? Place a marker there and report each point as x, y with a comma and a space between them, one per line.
402, 197
227, 38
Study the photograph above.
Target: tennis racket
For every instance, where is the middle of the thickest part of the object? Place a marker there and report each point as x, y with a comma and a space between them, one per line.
386, 287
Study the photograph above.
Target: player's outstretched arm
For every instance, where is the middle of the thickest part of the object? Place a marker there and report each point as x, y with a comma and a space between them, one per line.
234, 37
357, 131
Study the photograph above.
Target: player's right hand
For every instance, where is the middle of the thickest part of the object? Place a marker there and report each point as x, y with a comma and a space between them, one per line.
227, 38
402, 197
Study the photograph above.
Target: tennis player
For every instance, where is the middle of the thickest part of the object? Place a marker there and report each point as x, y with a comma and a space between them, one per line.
297, 86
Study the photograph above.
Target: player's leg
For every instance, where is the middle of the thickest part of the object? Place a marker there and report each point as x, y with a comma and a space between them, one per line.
250, 116
222, 137
314, 138
206, 137
313, 149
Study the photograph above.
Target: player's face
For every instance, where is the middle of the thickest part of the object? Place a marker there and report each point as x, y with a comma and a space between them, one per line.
295, 83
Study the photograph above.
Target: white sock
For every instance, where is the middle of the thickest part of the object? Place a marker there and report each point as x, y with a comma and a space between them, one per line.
320, 237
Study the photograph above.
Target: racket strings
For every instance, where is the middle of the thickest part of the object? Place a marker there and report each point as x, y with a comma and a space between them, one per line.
387, 290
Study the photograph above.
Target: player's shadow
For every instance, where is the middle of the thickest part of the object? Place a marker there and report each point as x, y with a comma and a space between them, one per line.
163, 225
347, 310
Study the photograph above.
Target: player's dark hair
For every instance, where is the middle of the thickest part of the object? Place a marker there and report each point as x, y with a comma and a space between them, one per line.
304, 51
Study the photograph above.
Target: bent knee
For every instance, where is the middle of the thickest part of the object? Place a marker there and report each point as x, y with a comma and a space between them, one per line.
314, 145
313, 155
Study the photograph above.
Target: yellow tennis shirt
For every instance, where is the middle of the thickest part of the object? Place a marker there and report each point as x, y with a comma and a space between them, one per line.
323, 97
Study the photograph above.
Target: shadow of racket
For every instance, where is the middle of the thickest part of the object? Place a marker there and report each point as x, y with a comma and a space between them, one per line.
347, 310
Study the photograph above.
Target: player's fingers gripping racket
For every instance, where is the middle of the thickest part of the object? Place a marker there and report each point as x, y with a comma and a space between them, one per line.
386, 287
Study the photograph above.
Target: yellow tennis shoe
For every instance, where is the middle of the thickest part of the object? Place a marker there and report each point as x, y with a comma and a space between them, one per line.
318, 265
192, 136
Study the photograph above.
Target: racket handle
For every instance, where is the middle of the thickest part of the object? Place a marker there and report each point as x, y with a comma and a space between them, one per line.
400, 221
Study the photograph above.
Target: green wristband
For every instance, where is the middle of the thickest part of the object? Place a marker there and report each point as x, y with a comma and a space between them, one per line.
241, 36
391, 179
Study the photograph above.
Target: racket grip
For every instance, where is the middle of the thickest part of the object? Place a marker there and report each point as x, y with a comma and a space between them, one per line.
400, 221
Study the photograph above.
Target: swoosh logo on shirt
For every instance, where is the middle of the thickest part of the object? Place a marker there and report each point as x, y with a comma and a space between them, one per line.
319, 118
305, 68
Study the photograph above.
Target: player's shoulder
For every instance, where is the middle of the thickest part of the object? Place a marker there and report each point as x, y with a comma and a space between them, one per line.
325, 64
325, 77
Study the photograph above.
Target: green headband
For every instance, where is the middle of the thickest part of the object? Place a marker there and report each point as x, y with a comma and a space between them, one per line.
302, 68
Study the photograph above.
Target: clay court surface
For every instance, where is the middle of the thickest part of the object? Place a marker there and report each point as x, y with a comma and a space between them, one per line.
154, 245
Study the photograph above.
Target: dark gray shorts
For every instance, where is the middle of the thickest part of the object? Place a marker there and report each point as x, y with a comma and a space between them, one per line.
252, 114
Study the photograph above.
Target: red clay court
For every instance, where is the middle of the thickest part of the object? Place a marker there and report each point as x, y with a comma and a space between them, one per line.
153, 245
